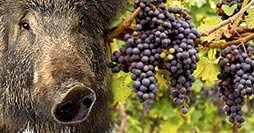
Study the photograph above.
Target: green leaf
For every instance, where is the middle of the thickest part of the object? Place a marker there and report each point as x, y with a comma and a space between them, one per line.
208, 84
197, 85
120, 89
162, 111
195, 116
133, 124
250, 18
229, 10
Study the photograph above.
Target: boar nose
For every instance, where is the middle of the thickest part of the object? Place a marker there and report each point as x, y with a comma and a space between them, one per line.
75, 105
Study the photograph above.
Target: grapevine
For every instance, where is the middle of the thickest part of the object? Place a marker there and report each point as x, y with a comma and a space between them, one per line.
162, 41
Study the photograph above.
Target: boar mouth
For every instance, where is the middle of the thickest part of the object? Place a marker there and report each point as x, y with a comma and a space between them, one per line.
75, 105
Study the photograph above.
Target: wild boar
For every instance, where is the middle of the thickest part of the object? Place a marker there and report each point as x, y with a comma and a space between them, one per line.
53, 65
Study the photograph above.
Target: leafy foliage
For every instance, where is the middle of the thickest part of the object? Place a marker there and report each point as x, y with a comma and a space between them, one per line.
206, 108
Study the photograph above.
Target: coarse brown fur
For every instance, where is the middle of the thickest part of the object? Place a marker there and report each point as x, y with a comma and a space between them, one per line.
65, 42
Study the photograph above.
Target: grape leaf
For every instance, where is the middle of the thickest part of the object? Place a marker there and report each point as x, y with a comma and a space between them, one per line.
250, 18
161, 75
207, 24
207, 70
212, 54
229, 10
114, 46
120, 89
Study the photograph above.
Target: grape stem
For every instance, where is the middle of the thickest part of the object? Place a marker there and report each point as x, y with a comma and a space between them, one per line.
142, 118
248, 104
154, 125
124, 118
229, 20
239, 30
125, 24
234, 129
244, 48
242, 31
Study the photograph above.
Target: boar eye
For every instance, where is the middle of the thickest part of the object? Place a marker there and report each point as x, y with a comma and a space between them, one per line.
24, 25
80, 22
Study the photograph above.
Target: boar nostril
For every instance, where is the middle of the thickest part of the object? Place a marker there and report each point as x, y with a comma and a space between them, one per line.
75, 105
87, 102
66, 111
68, 107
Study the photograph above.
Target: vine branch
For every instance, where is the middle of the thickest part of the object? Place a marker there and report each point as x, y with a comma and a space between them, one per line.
235, 42
124, 25
229, 20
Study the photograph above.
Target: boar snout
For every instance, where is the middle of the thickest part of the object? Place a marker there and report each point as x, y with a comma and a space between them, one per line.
75, 105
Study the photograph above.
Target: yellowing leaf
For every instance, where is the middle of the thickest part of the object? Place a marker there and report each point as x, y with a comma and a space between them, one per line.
207, 24
207, 70
210, 72
200, 67
114, 46
160, 77
212, 54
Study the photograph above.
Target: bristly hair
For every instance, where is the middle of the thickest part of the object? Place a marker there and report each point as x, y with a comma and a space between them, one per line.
96, 14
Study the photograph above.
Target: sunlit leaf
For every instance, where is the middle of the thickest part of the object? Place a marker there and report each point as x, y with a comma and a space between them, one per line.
229, 10
212, 54
250, 18
120, 89
207, 24
163, 77
206, 70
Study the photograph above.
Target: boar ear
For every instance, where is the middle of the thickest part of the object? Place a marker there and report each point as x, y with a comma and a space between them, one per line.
100, 11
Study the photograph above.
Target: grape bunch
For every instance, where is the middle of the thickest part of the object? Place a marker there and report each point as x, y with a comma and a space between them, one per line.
230, 3
163, 39
181, 56
237, 78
